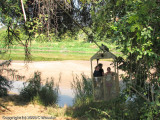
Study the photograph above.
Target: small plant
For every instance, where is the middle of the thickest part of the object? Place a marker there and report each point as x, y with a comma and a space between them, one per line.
48, 94
82, 89
5, 84
32, 89
35, 91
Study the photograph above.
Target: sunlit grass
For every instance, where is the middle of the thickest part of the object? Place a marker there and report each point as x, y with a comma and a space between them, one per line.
47, 56
54, 51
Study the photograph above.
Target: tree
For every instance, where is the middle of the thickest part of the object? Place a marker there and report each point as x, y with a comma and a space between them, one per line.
39, 17
134, 26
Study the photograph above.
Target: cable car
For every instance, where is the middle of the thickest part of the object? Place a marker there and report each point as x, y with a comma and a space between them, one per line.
105, 87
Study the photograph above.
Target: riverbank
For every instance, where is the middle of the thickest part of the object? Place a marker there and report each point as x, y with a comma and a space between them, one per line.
62, 72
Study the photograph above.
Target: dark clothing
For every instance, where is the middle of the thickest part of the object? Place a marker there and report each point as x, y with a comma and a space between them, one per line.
96, 74
101, 72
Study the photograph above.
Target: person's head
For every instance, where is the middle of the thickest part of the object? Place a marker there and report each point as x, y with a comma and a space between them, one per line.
100, 65
97, 68
108, 69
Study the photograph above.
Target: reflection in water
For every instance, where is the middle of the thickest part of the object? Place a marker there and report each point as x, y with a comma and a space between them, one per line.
66, 96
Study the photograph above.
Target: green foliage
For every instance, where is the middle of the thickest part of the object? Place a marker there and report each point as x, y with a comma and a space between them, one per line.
124, 107
35, 91
67, 37
32, 89
3, 35
4, 86
48, 95
10, 11
83, 90
134, 26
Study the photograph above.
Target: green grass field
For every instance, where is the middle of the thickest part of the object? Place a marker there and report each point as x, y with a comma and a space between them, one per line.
53, 51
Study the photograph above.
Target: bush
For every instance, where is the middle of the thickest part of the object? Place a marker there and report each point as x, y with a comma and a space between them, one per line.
4, 86
125, 107
35, 91
32, 89
83, 90
48, 95
120, 108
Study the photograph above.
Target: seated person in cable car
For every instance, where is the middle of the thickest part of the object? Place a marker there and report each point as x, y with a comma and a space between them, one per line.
101, 69
109, 72
97, 75
97, 72
109, 80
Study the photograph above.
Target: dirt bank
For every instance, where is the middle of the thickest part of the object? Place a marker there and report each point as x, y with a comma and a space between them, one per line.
63, 70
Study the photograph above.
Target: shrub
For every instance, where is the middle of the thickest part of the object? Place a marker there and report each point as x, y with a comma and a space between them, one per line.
35, 91
47, 94
32, 89
4, 86
82, 89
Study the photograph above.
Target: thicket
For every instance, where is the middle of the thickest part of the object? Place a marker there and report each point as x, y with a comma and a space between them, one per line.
82, 88
35, 91
5, 84
5, 74
134, 26
126, 106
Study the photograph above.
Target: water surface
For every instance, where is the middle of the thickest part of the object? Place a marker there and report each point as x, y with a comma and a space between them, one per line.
66, 96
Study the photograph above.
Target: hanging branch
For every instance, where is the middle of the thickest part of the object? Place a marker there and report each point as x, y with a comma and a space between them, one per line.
17, 38
5, 107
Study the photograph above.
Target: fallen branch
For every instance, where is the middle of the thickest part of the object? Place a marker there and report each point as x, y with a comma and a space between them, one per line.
4, 107
139, 94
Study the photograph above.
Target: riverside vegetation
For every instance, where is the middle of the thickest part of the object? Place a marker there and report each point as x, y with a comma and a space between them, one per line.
133, 27
84, 107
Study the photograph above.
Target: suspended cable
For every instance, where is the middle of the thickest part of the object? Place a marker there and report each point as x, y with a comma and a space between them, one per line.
89, 35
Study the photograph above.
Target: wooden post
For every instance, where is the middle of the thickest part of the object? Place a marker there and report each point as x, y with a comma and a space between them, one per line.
117, 82
92, 78
104, 87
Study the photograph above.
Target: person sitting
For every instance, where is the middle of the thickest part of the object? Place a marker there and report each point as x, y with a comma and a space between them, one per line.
109, 71
101, 69
97, 82
96, 72
109, 81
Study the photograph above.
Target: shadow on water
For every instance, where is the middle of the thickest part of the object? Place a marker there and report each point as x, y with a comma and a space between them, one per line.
66, 96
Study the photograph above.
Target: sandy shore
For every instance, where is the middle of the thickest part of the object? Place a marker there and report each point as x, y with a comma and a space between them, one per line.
63, 70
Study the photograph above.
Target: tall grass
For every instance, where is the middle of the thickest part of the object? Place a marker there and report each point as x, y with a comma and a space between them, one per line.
120, 108
82, 88
34, 91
